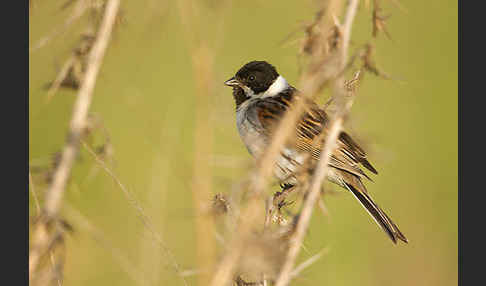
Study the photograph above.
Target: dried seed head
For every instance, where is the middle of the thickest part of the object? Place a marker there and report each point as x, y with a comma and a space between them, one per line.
220, 204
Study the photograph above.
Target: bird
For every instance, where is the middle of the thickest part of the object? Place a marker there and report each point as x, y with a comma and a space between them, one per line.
262, 96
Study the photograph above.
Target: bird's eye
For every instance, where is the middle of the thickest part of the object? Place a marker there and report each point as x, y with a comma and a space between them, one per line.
252, 78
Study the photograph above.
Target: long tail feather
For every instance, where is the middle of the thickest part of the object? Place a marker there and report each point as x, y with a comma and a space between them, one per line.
378, 214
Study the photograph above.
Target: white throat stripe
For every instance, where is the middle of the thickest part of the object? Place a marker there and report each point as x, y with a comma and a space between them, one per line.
277, 86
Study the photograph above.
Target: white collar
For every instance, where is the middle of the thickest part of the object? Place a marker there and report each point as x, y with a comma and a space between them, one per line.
279, 85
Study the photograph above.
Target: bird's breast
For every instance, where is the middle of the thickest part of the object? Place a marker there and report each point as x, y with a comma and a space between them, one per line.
256, 140
250, 130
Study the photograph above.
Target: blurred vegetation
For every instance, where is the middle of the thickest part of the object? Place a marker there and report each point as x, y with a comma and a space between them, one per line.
145, 101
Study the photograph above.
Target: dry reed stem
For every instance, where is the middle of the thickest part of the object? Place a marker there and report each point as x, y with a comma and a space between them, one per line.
311, 82
202, 57
141, 213
201, 188
38, 208
346, 32
314, 193
78, 122
335, 128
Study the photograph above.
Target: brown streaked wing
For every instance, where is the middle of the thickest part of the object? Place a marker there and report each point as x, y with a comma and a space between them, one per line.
346, 157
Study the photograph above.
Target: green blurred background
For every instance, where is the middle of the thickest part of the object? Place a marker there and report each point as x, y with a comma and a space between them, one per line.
145, 96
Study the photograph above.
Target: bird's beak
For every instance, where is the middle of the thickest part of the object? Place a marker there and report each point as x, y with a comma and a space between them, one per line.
232, 82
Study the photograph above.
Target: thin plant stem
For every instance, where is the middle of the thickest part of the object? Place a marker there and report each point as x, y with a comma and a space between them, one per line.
320, 174
141, 213
78, 122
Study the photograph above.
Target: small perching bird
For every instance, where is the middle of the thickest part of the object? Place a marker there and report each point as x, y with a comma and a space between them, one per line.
262, 97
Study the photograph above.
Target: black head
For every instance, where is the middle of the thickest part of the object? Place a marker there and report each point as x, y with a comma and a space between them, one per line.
257, 76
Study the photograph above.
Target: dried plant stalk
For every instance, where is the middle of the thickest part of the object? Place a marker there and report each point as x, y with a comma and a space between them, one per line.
328, 61
314, 193
201, 188
78, 122
202, 56
311, 82
202, 65
335, 127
